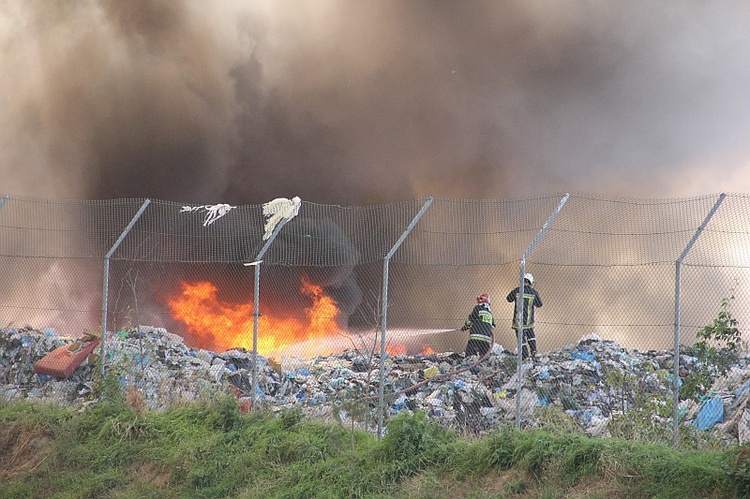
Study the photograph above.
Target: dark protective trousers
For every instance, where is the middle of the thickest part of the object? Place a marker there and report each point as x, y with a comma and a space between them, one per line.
529, 343
477, 347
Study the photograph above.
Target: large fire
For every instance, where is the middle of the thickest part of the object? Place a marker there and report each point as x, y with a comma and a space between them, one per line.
218, 325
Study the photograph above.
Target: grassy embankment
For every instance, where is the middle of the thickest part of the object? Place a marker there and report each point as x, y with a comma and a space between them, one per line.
214, 450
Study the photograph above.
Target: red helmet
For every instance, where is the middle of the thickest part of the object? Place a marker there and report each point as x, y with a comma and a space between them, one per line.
483, 298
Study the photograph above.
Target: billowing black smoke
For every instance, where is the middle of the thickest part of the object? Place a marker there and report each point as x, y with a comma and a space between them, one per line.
357, 103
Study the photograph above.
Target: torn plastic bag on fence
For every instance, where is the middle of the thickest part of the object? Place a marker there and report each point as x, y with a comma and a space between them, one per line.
710, 414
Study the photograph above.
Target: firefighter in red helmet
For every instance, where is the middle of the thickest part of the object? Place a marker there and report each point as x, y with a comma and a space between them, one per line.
480, 325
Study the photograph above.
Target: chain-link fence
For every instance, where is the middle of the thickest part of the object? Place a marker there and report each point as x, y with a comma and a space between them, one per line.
357, 311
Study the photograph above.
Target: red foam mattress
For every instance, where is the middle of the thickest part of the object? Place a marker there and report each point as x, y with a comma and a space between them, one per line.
62, 361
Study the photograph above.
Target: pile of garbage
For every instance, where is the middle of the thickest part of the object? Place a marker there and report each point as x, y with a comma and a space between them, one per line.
592, 381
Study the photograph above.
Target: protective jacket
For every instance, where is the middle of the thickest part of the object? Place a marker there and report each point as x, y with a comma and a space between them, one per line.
531, 300
480, 323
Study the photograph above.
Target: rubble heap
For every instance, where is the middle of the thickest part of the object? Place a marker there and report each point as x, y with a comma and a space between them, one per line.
591, 381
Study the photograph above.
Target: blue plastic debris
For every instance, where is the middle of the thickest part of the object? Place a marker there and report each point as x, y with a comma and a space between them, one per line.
585, 415
582, 355
338, 383
400, 403
710, 414
741, 389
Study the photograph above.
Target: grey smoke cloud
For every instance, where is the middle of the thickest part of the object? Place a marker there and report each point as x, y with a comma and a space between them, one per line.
360, 103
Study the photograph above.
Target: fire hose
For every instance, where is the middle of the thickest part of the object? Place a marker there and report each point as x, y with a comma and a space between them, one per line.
438, 377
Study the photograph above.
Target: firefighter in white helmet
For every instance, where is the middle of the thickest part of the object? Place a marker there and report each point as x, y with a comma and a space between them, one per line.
531, 300
480, 324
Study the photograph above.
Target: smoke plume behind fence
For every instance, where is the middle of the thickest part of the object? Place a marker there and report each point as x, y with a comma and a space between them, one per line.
354, 104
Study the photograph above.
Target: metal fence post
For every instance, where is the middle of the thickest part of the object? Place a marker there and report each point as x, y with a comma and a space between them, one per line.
677, 312
105, 292
256, 302
384, 313
520, 303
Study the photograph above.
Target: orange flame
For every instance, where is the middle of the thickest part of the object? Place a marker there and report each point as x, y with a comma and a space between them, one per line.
221, 326
394, 349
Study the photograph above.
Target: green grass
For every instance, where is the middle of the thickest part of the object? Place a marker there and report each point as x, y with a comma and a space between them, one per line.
213, 450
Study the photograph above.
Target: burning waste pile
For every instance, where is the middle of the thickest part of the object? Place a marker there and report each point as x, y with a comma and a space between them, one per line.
592, 381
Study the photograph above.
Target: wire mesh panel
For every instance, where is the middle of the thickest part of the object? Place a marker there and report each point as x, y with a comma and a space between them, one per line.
622, 282
172, 232
714, 315
63, 295
606, 272
607, 268
52, 253
458, 251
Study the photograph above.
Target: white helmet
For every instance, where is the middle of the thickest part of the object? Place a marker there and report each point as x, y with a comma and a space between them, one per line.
529, 278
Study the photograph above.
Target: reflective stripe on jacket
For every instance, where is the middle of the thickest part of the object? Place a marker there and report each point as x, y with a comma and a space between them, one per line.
531, 300
481, 322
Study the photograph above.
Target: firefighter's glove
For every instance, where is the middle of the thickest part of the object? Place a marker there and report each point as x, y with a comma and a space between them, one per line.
466, 326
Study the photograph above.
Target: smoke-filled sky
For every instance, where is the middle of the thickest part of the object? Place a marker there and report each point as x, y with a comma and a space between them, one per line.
354, 103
